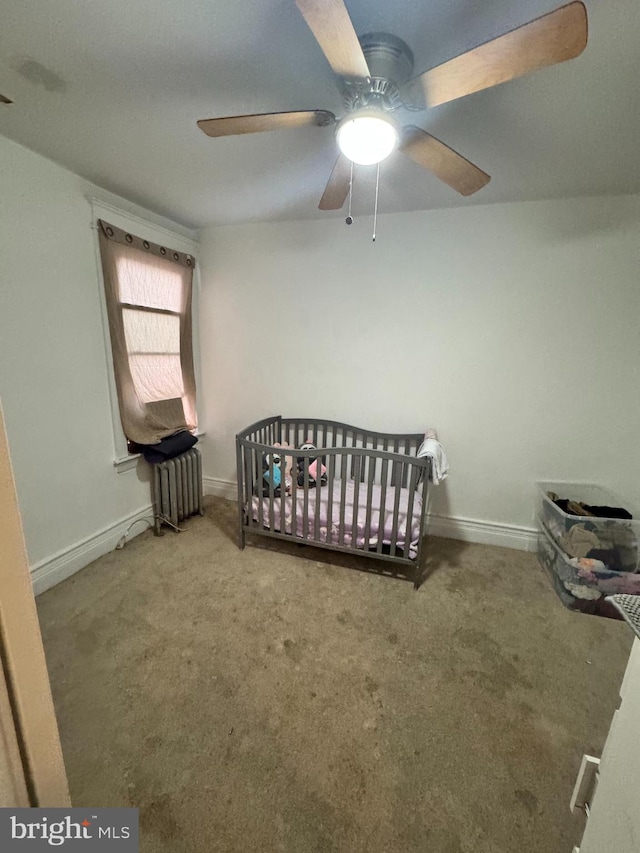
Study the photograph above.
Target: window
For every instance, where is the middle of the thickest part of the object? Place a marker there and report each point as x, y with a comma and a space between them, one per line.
148, 299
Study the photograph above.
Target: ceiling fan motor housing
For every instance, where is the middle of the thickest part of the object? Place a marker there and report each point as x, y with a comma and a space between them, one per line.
387, 56
390, 62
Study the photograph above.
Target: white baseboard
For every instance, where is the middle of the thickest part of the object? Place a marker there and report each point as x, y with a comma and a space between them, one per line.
53, 570
447, 527
227, 489
483, 532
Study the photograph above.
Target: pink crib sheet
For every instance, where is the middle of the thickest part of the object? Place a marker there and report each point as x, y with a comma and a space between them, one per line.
329, 516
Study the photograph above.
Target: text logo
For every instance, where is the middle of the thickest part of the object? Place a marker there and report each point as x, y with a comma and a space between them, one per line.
102, 830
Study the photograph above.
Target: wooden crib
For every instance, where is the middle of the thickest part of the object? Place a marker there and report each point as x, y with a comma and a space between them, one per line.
372, 502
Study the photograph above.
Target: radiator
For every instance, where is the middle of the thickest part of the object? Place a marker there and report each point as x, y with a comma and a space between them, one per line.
178, 489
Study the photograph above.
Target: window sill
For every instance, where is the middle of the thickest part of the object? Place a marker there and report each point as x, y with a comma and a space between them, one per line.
126, 463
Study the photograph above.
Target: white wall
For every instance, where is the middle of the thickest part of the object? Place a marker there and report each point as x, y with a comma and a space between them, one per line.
53, 367
512, 329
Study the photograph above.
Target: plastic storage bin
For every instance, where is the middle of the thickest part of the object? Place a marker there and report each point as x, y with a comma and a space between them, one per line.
578, 585
619, 537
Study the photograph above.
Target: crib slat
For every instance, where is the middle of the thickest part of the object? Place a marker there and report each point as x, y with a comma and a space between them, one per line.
248, 473
343, 494
331, 469
261, 485
353, 460
255, 477
283, 493
240, 451
395, 478
367, 523
413, 485
246, 493
407, 466
318, 494
384, 475
305, 509
423, 485
396, 505
271, 496
294, 498
356, 504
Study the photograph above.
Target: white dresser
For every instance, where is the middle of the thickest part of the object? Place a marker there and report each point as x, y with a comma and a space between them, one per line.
614, 793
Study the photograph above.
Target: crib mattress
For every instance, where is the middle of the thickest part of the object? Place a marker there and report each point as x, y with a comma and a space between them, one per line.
355, 518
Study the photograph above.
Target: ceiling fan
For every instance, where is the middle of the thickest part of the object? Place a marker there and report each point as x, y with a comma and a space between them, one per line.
375, 79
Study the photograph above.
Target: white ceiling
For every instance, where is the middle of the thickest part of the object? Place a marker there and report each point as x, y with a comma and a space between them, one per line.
113, 91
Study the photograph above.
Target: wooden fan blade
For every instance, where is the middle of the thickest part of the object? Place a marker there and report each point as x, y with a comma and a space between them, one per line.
547, 40
442, 161
232, 125
337, 187
331, 25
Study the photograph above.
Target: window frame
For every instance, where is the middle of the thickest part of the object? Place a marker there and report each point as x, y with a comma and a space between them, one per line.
123, 459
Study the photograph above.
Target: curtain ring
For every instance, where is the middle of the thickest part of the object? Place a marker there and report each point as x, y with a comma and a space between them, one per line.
109, 231
163, 251
176, 256
145, 243
128, 238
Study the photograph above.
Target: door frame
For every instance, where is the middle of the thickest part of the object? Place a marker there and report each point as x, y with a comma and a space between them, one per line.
32, 762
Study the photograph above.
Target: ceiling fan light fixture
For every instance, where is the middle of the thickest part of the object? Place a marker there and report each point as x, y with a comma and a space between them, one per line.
367, 137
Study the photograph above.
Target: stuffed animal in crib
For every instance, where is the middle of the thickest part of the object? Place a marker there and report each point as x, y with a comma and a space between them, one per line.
286, 465
314, 466
278, 468
271, 473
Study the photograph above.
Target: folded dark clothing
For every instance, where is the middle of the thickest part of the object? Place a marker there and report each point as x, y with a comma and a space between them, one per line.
608, 511
574, 508
168, 448
609, 556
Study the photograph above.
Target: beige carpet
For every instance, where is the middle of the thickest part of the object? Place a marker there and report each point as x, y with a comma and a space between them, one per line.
272, 700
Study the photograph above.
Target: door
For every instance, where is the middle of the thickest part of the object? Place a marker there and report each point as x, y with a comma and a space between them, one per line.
31, 767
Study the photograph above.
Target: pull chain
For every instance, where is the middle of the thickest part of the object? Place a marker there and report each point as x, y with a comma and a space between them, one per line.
349, 218
375, 209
